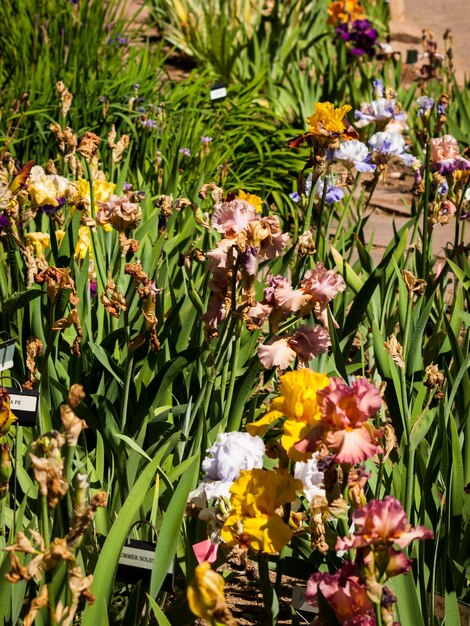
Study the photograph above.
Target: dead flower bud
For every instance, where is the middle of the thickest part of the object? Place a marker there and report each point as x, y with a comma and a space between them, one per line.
72, 319
119, 146
48, 468
83, 513
127, 245
413, 284
56, 552
116, 301
395, 350
88, 145
357, 480
390, 439
34, 350
37, 603
434, 378
318, 516
65, 98
57, 279
73, 426
76, 395
306, 243
217, 193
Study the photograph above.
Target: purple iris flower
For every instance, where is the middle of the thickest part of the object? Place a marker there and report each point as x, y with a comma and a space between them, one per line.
185, 152
425, 105
93, 287
4, 222
333, 193
361, 35
49, 209
149, 123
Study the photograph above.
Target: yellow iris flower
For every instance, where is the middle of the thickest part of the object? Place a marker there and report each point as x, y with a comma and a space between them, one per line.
255, 497
38, 242
327, 120
206, 595
255, 201
298, 403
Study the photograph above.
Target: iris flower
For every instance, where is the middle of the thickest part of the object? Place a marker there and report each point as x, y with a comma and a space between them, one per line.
298, 402
253, 521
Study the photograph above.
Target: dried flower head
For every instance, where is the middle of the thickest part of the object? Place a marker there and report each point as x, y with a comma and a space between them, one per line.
88, 146
395, 350
65, 98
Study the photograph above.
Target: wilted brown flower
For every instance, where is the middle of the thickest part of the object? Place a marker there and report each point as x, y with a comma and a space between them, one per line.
119, 146
88, 145
318, 516
434, 378
49, 467
72, 319
73, 426
116, 301
65, 98
306, 243
37, 603
127, 245
395, 350
118, 211
33, 351
413, 284
57, 279
357, 480
217, 193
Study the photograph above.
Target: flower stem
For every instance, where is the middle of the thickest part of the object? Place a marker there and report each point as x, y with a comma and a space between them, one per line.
426, 235
378, 614
270, 598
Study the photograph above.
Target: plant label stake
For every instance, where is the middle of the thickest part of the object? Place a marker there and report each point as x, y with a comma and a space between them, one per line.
7, 350
136, 562
24, 405
218, 92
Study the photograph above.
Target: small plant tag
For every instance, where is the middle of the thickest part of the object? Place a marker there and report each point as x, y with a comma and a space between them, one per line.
24, 405
218, 92
298, 600
411, 57
136, 563
7, 350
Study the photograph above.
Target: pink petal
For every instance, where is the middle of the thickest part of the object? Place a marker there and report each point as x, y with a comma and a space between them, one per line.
206, 551
277, 354
352, 446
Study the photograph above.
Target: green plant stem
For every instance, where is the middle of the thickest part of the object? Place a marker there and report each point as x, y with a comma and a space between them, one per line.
125, 393
426, 235
69, 454
233, 373
378, 614
410, 482
45, 529
270, 599
319, 239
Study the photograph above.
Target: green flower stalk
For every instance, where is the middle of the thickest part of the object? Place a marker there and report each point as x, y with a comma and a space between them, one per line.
5, 469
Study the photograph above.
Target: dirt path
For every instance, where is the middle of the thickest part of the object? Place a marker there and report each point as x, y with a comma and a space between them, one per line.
409, 17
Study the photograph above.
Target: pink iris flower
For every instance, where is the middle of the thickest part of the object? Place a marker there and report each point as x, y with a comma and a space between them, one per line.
383, 523
344, 427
